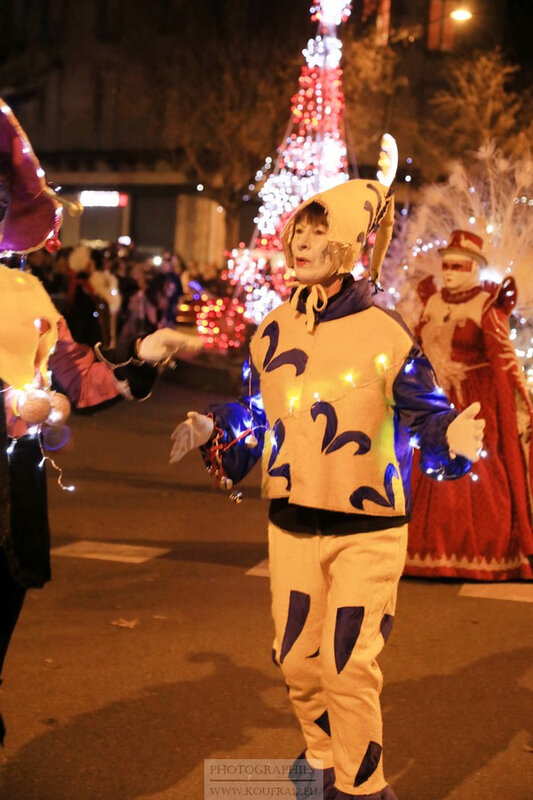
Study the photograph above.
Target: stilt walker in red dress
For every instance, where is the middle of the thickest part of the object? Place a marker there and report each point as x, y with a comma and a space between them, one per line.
478, 529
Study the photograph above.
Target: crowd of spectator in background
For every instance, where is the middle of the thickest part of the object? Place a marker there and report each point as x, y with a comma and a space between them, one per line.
109, 295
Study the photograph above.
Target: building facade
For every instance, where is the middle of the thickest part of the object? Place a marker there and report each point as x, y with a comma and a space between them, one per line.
68, 71
81, 76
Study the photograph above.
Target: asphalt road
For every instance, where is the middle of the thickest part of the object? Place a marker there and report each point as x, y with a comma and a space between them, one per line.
123, 678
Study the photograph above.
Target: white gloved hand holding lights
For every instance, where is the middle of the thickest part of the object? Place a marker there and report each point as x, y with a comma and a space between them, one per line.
195, 431
465, 433
165, 344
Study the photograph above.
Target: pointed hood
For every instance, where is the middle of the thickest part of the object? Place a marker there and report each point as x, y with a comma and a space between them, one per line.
354, 209
29, 211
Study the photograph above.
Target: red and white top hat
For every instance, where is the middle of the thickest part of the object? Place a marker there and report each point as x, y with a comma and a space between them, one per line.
465, 243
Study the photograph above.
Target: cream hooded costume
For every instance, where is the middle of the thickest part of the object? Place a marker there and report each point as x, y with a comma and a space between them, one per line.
334, 396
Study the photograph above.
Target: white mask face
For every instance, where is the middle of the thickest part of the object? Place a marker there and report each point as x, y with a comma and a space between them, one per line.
459, 273
310, 251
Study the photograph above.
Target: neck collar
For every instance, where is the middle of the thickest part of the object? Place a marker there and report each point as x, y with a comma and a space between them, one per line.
460, 297
353, 296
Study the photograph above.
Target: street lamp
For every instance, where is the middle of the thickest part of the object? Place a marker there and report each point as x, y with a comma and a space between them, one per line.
437, 32
413, 33
461, 15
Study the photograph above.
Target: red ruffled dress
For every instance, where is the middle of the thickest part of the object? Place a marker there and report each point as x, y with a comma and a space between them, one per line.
478, 527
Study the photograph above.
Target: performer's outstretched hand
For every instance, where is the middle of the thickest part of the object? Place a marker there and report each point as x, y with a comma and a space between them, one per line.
465, 433
166, 343
195, 431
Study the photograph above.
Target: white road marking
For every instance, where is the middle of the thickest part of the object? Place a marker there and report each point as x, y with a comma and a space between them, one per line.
518, 592
260, 570
107, 551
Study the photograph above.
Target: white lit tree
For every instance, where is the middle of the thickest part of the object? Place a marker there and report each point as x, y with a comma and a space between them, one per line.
493, 198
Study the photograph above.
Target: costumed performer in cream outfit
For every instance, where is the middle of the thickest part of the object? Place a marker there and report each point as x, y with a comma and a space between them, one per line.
336, 393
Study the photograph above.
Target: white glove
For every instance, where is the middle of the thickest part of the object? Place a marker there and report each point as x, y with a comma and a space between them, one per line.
195, 431
465, 434
164, 344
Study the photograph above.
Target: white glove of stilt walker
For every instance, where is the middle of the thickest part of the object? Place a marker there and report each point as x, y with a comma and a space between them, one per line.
194, 432
165, 344
465, 434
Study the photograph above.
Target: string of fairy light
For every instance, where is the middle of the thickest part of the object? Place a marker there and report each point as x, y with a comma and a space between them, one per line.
44, 412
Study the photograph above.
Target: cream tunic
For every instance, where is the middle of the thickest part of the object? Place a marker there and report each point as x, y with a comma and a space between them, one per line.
328, 397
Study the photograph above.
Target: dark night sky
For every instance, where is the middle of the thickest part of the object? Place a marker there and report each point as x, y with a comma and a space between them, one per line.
518, 34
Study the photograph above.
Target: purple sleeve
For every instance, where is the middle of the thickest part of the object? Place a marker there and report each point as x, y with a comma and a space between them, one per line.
85, 381
423, 415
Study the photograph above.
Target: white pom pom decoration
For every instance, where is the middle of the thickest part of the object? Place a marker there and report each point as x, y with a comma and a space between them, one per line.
33, 406
60, 409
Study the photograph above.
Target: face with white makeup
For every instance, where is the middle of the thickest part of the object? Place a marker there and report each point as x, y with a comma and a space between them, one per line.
459, 273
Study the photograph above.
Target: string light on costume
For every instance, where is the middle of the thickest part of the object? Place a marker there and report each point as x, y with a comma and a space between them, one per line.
66, 488
44, 411
247, 430
349, 378
382, 362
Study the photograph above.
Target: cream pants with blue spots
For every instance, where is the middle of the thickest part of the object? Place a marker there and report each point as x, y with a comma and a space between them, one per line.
333, 603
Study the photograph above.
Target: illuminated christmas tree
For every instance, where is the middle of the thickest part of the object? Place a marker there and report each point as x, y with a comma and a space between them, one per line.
312, 157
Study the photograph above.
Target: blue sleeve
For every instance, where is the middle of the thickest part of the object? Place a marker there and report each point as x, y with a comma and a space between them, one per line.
424, 411
233, 419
